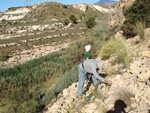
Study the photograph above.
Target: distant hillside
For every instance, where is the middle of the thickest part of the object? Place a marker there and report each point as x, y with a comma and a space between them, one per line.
49, 10
107, 2
53, 10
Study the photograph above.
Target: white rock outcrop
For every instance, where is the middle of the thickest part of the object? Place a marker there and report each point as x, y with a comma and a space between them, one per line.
17, 14
84, 7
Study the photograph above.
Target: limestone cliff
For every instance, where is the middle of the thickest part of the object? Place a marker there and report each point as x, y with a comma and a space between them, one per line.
117, 17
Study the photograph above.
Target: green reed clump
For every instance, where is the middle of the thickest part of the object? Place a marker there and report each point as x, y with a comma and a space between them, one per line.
118, 48
139, 29
64, 81
31, 73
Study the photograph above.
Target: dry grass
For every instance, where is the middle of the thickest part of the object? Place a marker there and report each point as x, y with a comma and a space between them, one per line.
139, 29
117, 48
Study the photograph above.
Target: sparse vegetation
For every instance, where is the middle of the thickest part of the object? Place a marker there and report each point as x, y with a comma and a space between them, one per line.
139, 29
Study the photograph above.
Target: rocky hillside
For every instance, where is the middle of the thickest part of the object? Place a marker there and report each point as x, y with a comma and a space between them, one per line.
24, 19
117, 18
85, 7
14, 14
47, 10
129, 91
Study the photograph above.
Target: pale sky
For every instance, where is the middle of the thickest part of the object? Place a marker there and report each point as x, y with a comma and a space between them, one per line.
5, 4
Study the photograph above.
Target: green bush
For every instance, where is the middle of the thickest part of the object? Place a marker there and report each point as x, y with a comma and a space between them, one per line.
138, 11
128, 29
117, 48
73, 18
90, 22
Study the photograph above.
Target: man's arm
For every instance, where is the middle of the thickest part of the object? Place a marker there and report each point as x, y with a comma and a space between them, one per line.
96, 74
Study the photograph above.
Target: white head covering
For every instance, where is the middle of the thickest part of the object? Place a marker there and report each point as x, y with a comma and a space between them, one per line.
87, 48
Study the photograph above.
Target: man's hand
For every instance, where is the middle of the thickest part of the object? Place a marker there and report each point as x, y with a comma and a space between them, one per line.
107, 82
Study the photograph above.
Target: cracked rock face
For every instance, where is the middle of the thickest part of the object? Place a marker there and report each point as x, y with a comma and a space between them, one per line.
117, 17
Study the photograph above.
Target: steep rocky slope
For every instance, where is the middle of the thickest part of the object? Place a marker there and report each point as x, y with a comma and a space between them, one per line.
129, 90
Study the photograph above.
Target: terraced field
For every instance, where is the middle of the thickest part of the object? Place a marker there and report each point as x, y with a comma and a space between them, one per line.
22, 47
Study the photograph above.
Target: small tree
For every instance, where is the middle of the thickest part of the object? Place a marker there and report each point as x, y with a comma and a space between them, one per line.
90, 22
73, 18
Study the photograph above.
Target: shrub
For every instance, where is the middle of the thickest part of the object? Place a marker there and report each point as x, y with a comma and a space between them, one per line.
117, 48
139, 29
139, 10
90, 22
64, 6
73, 18
128, 29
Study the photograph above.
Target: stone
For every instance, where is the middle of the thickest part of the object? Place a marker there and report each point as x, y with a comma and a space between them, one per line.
146, 54
144, 76
90, 108
135, 69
